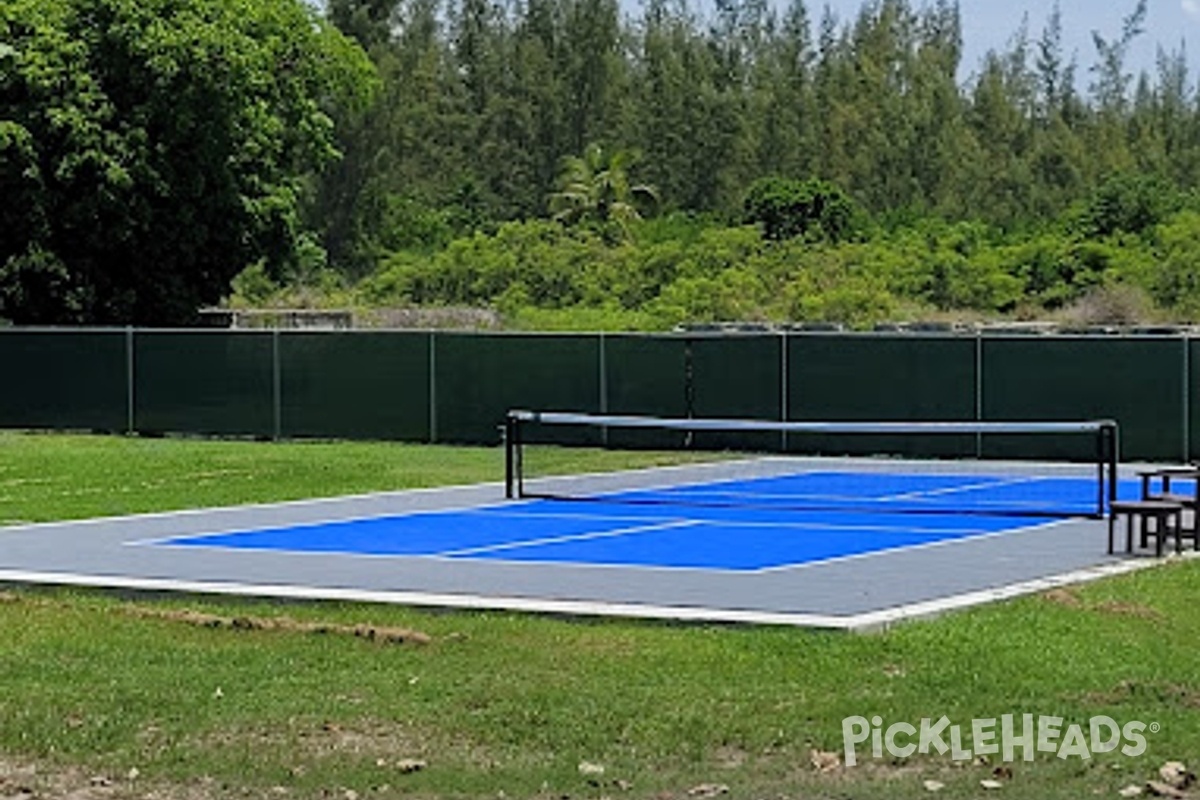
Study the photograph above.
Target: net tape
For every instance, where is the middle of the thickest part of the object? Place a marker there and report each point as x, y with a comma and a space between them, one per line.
1104, 432
748, 425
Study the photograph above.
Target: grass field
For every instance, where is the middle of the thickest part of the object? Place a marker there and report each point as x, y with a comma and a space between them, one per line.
114, 696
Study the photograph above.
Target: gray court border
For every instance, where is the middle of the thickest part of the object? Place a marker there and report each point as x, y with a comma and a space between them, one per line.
868, 592
878, 620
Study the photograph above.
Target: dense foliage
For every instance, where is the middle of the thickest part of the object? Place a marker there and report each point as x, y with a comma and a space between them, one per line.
151, 149
682, 268
574, 164
483, 100
806, 169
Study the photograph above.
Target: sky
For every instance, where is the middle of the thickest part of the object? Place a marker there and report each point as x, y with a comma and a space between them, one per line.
990, 24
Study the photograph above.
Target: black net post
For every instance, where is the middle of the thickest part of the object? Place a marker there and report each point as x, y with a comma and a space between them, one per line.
511, 433
1110, 457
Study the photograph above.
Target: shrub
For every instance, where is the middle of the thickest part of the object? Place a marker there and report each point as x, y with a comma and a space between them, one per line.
812, 209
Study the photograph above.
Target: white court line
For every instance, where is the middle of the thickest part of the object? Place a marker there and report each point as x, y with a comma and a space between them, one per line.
199, 540
991, 484
833, 528
578, 537
347, 499
172, 540
970, 537
853, 503
733, 523
886, 618
967, 535
865, 622
690, 496
698, 467
504, 512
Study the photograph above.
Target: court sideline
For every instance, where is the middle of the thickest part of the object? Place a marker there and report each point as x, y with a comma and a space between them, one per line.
851, 590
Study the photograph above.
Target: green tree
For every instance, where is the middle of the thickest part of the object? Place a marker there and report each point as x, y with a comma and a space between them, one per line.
595, 187
1055, 76
812, 209
782, 101
1111, 83
159, 147
1001, 107
1174, 278
668, 68
1128, 204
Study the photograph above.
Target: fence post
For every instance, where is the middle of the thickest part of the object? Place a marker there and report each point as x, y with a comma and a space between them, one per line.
602, 365
1187, 398
433, 416
130, 384
276, 386
979, 391
784, 412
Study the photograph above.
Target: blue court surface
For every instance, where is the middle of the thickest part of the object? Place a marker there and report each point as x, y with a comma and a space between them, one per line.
735, 526
850, 544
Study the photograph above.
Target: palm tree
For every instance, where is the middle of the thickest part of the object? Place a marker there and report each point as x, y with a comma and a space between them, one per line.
595, 187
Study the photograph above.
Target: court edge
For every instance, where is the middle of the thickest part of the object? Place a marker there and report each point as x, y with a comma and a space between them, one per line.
861, 623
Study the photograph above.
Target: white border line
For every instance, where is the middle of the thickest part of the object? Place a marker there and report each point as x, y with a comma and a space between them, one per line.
262, 506
877, 620
871, 621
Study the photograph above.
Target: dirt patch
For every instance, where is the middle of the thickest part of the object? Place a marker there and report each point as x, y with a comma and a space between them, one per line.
384, 634
1125, 609
25, 781
1063, 597
730, 757
307, 744
381, 742
375, 633
1069, 599
1131, 691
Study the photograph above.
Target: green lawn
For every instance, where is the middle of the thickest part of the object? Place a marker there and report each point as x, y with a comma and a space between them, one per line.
159, 698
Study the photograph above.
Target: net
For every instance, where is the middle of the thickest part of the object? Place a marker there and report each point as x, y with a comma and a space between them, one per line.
1061, 468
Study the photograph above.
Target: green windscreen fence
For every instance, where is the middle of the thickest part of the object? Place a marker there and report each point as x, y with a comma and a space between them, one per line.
737, 377
646, 376
1192, 420
877, 379
214, 382
64, 380
1137, 381
456, 387
477, 378
355, 385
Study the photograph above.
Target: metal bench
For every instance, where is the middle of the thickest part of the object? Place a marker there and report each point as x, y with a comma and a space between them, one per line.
1188, 497
1160, 519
